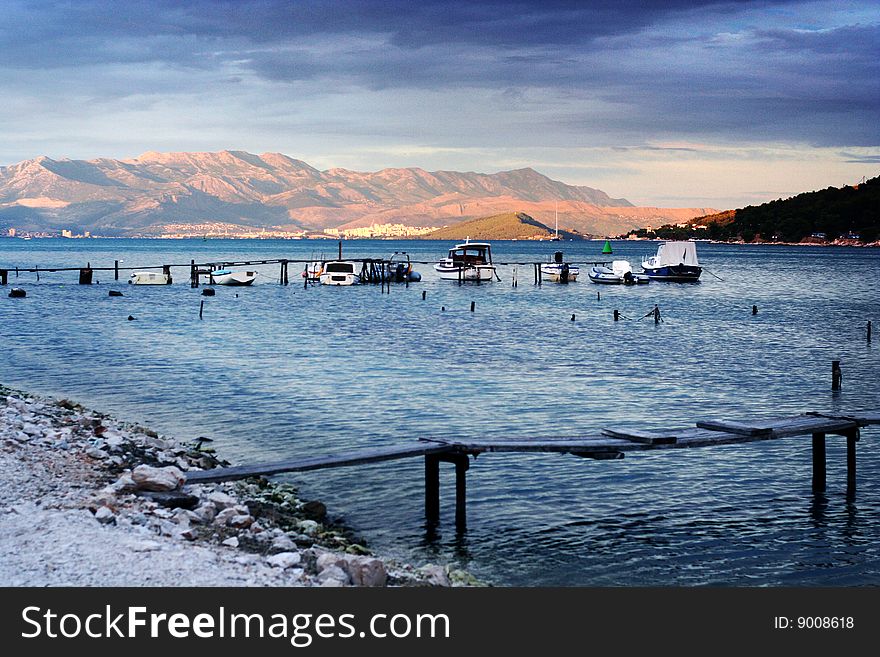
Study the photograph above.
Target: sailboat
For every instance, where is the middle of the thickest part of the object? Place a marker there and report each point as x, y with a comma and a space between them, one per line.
556, 237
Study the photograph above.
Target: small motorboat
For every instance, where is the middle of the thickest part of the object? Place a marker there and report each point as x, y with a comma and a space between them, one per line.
149, 278
468, 261
401, 269
229, 277
339, 272
620, 273
559, 271
675, 261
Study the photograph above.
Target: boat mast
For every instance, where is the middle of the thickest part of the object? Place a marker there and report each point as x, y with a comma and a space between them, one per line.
556, 205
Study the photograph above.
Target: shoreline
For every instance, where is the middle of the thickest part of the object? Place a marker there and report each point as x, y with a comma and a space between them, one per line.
89, 500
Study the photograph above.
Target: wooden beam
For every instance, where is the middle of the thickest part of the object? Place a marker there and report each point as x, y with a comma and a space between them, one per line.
647, 437
734, 427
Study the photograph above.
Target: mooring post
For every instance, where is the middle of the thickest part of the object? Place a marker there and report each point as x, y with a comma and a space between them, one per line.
656, 314
852, 438
85, 275
166, 269
201, 308
818, 462
340, 249
754, 310
4, 276
461, 468
115, 270
473, 305
598, 295
424, 294
836, 375
540, 275
616, 315
432, 488
284, 277
869, 328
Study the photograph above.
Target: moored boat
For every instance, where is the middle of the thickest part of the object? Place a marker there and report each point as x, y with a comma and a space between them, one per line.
675, 261
559, 271
229, 277
619, 273
149, 278
468, 261
339, 272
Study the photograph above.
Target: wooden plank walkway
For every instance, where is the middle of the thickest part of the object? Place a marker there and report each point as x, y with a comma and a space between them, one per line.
609, 444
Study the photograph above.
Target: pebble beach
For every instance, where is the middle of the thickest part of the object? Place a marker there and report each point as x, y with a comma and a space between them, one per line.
89, 500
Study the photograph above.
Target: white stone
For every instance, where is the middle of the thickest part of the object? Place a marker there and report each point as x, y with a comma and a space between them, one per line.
283, 543
366, 571
284, 559
231, 542
332, 576
158, 479
308, 527
221, 500
436, 575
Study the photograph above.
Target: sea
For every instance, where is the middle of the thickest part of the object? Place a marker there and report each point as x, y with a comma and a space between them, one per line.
272, 372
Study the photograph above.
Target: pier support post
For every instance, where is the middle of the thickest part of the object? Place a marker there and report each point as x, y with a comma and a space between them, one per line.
4, 276
283, 277
461, 468
115, 270
432, 489
869, 330
818, 462
193, 275
424, 294
852, 438
836, 375
166, 269
85, 275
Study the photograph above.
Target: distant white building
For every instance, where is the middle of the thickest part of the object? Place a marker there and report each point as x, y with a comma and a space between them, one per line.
11, 232
66, 233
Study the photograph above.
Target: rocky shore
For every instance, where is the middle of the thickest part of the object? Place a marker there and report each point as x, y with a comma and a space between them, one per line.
87, 500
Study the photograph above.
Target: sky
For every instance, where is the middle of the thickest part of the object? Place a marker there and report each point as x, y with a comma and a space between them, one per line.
669, 103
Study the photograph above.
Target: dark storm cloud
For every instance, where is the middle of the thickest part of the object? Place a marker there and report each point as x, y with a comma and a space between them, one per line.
657, 62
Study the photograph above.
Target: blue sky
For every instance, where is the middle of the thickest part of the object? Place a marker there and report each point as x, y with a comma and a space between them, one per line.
715, 104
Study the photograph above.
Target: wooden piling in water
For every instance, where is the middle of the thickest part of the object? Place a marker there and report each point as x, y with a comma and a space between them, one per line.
836, 375
754, 310
852, 438
166, 269
473, 305
461, 468
193, 274
116, 270
616, 315
818, 462
85, 275
869, 327
4, 276
201, 308
432, 488
424, 294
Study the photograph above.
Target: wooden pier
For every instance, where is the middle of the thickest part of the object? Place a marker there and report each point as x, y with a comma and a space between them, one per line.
607, 444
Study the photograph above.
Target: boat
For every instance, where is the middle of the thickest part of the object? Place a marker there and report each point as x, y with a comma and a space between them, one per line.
675, 261
149, 278
468, 261
401, 270
559, 271
229, 277
339, 272
619, 273
312, 271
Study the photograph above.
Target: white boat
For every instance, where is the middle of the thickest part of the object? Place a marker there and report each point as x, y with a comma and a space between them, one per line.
229, 277
469, 261
312, 271
559, 271
675, 261
339, 272
149, 278
620, 273
556, 237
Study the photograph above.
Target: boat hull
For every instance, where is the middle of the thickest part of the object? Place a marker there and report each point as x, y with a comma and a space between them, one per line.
340, 279
236, 278
557, 273
473, 273
674, 273
149, 278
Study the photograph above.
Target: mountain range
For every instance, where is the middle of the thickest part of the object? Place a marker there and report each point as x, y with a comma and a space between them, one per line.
162, 193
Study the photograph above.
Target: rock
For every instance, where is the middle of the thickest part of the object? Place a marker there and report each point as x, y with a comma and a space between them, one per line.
240, 521
308, 527
189, 534
221, 500
366, 571
284, 559
283, 543
224, 515
205, 512
333, 576
171, 499
435, 575
158, 479
96, 453
105, 515
231, 542
314, 510
125, 484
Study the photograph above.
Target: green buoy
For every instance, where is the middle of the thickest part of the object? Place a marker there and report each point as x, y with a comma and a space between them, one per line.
607, 247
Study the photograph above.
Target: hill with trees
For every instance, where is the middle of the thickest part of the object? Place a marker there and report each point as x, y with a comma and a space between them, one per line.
506, 226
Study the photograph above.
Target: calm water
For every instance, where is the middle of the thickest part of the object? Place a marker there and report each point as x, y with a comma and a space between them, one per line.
275, 372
